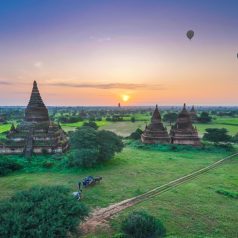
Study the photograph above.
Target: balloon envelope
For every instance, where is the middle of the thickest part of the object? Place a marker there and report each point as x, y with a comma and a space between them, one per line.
190, 34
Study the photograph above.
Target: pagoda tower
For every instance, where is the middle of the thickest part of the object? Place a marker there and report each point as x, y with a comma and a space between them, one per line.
183, 132
36, 110
155, 132
36, 134
193, 115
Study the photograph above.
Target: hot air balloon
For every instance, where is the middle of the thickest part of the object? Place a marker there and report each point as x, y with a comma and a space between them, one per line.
190, 34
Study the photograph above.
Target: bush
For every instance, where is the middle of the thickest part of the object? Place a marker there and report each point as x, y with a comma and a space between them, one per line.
119, 235
91, 124
83, 158
8, 166
204, 117
108, 144
133, 119
235, 138
136, 135
228, 193
142, 225
90, 146
41, 212
217, 135
48, 164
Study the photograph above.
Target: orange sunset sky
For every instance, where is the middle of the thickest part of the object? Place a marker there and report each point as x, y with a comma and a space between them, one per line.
133, 52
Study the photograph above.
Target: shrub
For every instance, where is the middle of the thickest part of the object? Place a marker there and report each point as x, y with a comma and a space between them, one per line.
228, 193
133, 119
235, 138
109, 144
136, 135
83, 158
217, 135
91, 124
119, 235
48, 164
142, 225
90, 146
8, 166
204, 117
41, 212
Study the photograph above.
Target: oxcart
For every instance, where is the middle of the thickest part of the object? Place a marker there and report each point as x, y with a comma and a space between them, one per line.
90, 180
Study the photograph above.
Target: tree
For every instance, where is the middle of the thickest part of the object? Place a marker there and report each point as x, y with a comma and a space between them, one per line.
83, 158
84, 137
136, 135
109, 144
90, 146
142, 225
235, 138
91, 124
217, 135
170, 117
8, 165
47, 212
204, 117
133, 119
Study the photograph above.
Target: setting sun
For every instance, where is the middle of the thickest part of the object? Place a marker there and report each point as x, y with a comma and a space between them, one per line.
125, 98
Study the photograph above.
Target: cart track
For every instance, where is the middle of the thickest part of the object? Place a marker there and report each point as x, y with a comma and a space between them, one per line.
99, 217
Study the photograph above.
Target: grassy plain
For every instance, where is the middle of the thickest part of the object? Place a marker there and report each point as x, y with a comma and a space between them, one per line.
191, 210
184, 210
125, 128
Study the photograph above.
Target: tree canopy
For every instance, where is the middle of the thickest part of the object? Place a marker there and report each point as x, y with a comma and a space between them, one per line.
170, 117
90, 146
41, 212
204, 117
217, 135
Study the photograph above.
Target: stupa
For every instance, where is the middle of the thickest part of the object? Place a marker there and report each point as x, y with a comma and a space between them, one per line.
193, 115
183, 132
36, 134
155, 132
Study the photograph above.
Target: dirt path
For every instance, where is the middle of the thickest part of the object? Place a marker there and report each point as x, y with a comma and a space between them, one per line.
99, 217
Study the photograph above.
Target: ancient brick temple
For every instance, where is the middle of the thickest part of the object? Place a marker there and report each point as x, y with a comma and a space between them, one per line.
183, 132
36, 134
155, 132
193, 115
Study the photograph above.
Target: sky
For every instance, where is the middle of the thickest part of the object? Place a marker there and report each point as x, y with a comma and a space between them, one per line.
102, 52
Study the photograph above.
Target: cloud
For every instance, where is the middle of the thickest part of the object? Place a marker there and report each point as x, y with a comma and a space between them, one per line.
110, 85
38, 64
100, 39
4, 83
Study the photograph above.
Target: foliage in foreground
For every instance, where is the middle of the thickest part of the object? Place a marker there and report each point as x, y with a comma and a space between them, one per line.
217, 135
142, 225
228, 193
8, 165
41, 212
206, 146
90, 147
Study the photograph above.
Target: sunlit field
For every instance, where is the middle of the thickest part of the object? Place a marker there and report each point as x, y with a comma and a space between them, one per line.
135, 171
194, 209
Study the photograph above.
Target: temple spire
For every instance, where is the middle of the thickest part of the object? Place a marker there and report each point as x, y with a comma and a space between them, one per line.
35, 99
156, 115
184, 107
36, 110
155, 132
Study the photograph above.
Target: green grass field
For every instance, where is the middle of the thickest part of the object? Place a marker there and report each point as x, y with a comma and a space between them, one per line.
194, 209
4, 127
125, 128
185, 210
72, 126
